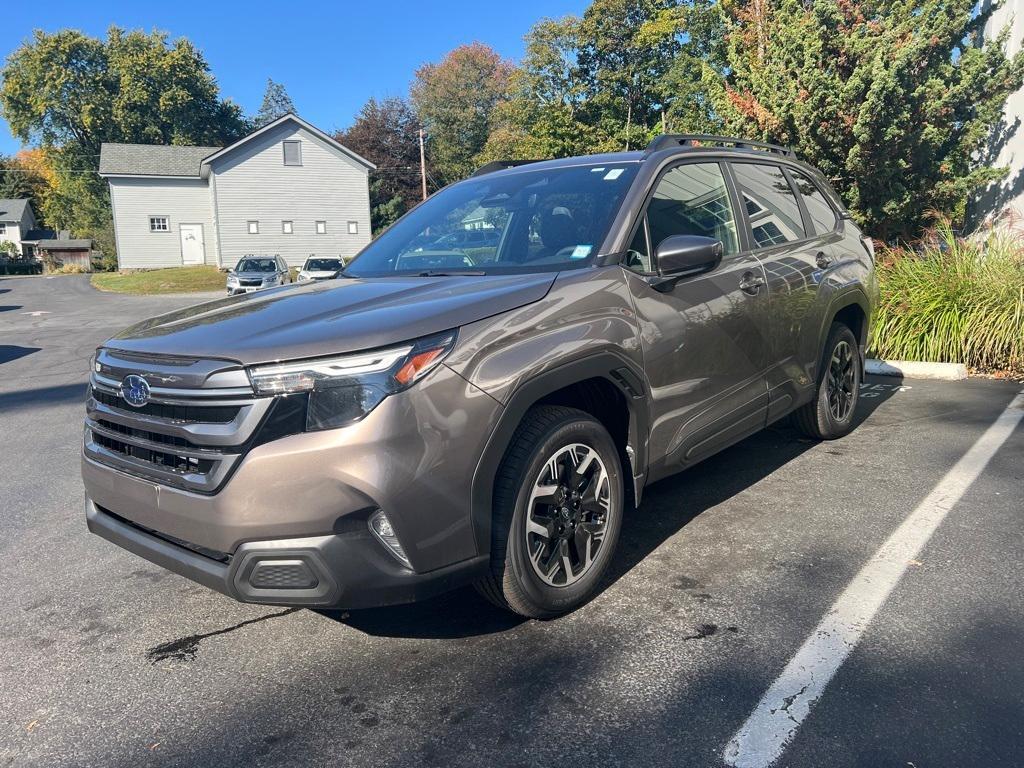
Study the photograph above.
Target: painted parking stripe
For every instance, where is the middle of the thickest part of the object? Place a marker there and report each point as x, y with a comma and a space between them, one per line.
763, 737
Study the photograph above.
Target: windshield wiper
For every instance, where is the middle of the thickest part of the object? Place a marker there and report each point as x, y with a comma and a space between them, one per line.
444, 273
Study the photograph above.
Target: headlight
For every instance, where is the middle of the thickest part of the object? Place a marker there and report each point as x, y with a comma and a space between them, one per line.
303, 276
232, 280
344, 389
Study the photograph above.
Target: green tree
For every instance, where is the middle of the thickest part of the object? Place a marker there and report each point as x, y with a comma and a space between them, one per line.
893, 100
69, 93
387, 134
276, 103
455, 100
627, 48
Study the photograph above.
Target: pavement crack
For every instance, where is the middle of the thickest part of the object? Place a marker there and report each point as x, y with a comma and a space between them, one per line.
185, 648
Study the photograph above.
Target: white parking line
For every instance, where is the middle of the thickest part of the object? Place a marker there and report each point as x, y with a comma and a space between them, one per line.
773, 723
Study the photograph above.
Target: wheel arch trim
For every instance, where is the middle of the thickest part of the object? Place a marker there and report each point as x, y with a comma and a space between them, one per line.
602, 365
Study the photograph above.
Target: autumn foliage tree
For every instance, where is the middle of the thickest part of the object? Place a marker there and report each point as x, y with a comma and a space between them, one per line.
455, 100
386, 133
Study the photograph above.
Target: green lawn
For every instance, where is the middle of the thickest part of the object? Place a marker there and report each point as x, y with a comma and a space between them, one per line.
174, 280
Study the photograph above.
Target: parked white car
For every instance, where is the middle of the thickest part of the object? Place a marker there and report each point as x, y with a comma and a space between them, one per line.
320, 269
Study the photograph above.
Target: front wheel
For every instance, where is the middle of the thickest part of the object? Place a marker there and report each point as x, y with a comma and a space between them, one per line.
557, 512
830, 414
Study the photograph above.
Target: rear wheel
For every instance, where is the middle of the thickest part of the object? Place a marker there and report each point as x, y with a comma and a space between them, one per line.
557, 512
830, 414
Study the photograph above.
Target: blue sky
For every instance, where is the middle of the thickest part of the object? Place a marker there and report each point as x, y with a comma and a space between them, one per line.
331, 57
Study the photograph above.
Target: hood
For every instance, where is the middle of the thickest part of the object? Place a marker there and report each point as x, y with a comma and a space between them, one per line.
330, 317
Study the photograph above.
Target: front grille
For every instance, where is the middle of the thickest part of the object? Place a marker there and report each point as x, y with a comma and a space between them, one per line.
159, 459
214, 414
250, 283
146, 434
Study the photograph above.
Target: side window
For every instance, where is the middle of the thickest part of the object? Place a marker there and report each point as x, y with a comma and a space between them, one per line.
823, 216
692, 199
772, 208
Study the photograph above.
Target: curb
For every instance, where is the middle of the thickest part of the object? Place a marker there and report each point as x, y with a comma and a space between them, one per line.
916, 370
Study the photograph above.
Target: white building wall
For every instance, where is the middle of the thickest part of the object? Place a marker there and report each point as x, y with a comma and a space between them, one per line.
183, 201
12, 233
1008, 195
254, 184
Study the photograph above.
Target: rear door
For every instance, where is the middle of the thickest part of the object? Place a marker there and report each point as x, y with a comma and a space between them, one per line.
704, 340
794, 257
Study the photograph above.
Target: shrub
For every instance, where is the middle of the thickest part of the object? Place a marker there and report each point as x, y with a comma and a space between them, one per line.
953, 300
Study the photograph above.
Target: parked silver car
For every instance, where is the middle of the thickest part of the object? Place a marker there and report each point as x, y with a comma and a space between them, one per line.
320, 269
255, 272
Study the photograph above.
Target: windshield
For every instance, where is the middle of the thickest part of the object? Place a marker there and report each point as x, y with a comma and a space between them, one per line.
528, 221
256, 265
323, 265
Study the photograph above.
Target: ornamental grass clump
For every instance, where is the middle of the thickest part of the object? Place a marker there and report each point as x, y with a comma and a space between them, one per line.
954, 300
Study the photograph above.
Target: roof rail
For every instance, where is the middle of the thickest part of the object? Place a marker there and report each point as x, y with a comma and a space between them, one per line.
667, 140
500, 165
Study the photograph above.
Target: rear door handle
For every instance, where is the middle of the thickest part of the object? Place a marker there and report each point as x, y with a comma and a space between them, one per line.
822, 259
751, 283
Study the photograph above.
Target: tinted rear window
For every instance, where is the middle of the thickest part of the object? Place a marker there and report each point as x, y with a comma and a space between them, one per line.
772, 209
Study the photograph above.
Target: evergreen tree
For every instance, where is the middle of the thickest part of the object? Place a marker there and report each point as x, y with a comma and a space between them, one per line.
893, 100
276, 103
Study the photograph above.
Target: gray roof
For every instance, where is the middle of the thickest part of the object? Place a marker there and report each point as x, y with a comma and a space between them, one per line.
152, 159
65, 245
12, 210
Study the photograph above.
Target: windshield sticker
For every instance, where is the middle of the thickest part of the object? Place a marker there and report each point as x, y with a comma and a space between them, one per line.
613, 174
581, 251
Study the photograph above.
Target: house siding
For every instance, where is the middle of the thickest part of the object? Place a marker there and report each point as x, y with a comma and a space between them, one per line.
183, 201
14, 231
253, 183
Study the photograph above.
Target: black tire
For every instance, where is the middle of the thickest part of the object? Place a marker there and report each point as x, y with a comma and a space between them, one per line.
540, 442
830, 414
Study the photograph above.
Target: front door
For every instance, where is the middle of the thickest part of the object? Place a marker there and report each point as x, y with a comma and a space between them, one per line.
705, 341
192, 249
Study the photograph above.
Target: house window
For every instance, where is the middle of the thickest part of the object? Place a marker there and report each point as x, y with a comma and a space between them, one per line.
353, 227
159, 224
321, 227
3, 229
254, 227
286, 227
292, 152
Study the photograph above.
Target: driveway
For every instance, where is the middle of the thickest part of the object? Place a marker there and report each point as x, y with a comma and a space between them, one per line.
723, 575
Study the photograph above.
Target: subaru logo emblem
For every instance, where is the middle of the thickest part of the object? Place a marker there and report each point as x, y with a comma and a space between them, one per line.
135, 390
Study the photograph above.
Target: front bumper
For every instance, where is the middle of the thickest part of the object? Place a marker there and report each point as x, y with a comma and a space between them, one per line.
413, 456
318, 572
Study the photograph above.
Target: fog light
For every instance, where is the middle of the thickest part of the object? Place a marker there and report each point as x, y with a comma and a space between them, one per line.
381, 528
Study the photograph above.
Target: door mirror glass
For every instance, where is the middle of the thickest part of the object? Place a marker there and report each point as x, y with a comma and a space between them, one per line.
681, 255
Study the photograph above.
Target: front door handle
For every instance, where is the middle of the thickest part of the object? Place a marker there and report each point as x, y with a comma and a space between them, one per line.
822, 259
751, 283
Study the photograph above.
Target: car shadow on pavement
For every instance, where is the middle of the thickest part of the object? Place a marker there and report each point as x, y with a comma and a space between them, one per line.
9, 352
43, 397
9, 307
667, 507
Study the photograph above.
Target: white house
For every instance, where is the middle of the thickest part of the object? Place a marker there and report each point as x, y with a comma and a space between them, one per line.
18, 225
287, 188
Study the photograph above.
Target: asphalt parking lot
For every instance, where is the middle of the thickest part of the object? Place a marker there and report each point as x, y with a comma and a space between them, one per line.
722, 575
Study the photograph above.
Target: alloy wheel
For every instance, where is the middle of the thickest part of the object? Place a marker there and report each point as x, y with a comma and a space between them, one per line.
840, 382
567, 515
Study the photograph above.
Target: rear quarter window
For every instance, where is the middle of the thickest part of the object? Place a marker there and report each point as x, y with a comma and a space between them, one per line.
823, 216
772, 208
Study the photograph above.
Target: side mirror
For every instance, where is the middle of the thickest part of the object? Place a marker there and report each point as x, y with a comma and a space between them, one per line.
682, 256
